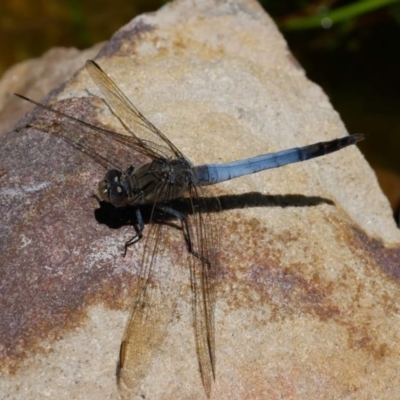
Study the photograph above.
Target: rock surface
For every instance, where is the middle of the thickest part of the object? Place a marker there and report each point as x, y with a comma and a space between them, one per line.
307, 300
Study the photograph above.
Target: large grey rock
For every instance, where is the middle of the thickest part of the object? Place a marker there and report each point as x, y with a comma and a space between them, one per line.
308, 291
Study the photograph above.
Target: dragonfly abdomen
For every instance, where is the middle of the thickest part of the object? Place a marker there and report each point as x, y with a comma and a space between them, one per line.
209, 174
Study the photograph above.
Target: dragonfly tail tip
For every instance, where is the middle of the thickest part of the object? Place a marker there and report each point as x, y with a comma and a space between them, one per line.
358, 137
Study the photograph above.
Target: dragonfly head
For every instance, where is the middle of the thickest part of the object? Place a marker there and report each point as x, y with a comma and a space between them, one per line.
112, 188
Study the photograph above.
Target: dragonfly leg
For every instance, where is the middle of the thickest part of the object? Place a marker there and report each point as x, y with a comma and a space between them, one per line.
139, 227
186, 232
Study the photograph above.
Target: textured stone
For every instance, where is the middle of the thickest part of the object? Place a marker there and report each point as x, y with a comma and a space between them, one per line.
309, 284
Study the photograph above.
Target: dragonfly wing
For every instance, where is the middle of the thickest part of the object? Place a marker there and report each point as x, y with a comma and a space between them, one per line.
146, 134
204, 273
102, 145
159, 287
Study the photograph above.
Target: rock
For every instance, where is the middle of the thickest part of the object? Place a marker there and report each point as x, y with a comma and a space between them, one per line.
308, 285
35, 78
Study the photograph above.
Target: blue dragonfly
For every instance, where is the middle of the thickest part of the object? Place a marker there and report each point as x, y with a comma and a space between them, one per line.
168, 176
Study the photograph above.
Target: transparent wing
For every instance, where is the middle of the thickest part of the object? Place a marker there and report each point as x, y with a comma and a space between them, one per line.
160, 286
144, 132
163, 274
204, 272
102, 145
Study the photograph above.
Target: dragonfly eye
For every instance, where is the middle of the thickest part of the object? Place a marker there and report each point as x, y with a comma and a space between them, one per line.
117, 195
112, 176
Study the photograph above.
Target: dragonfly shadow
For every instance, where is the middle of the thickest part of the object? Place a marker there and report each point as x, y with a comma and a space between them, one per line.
115, 218
256, 199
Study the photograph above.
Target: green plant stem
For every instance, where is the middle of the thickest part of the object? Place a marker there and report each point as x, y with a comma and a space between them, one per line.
339, 15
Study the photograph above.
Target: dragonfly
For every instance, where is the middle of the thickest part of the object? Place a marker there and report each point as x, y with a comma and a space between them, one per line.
167, 176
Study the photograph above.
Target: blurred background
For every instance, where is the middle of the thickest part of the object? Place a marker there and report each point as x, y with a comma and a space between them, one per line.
350, 48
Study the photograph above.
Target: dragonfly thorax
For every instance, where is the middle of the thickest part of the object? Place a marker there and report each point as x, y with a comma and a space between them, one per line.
158, 181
